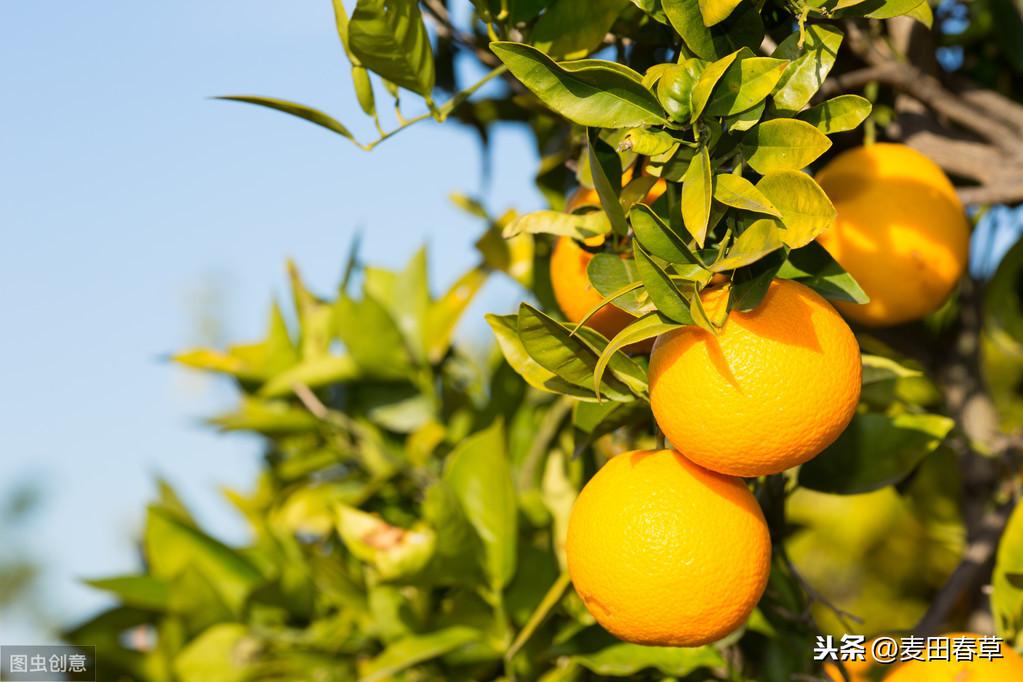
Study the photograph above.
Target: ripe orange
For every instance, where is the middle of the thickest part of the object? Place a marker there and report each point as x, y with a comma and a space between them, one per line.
771, 390
664, 552
1009, 667
867, 670
900, 231
572, 289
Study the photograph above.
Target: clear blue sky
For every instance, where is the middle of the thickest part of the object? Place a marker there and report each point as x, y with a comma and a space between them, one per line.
132, 205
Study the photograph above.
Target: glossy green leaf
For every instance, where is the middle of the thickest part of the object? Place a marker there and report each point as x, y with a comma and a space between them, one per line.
606, 173
295, 109
595, 94
875, 451
813, 266
611, 274
783, 144
697, 193
805, 209
479, 474
506, 331
742, 28
661, 289
660, 240
390, 39
838, 114
746, 83
738, 192
812, 55
573, 28
745, 120
758, 239
569, 357
708, 81
716, 11
750, 283
646, 327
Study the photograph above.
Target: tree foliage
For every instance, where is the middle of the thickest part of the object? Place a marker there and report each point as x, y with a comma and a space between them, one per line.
409, 520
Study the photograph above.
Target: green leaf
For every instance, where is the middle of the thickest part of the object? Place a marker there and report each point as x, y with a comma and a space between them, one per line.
708, 80
662, 291
745, 120
506, 331
611, 274
371, 336
324, 370
140, 591
880, 9
697, 193
578, 226
213, 656
569, 357
626, 660
623, 368
591, 93
606, 172
877, 368
759, 239
813, 266
811, 61
750, 283
716, 11
838, 114
295, 109
479, 474
1007, 592
875, 451
573, 28
444, 314
805, 209
172, 546
783, 144
743, 28
738, 192
390, 39
746, 83
414, 649
646, 327
269, 417
660, 240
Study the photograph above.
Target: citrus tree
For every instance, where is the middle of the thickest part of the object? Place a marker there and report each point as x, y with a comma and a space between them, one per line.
751, 395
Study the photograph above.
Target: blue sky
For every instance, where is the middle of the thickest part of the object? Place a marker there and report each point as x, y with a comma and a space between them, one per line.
133, 207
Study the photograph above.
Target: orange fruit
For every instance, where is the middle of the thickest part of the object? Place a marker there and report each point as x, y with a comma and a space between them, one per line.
900, 231
664, 552
771, 390
1009, 667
